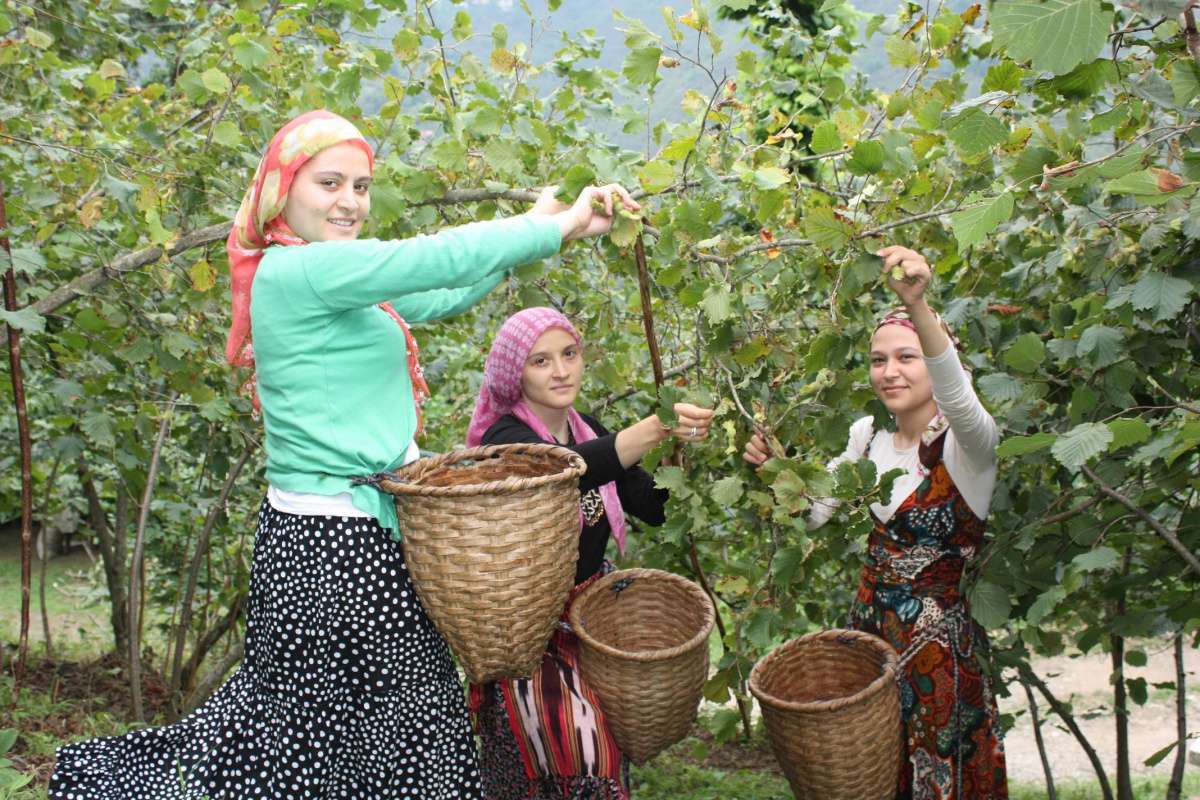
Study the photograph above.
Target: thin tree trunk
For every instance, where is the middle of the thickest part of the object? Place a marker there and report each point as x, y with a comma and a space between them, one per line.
206, 686
1051, 794
46, 557
114, 566
135, 568
1175, 787
1064, 713
185, 610
1120, 697
210, 639
18, 388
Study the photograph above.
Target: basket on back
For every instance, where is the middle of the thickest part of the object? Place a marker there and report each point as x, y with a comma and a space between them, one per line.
643, 648
832, 712
491, 537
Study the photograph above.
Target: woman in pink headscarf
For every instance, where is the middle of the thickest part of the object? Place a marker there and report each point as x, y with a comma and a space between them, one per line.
944, 442
546, 736
346, 689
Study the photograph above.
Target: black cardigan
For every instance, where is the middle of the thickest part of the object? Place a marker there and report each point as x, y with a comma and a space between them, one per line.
635, 486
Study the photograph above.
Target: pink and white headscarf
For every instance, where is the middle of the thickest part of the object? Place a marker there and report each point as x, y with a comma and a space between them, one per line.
500, 394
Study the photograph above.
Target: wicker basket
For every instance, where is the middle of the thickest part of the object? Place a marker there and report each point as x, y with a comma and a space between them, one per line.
491, 537
832, 711
643, 648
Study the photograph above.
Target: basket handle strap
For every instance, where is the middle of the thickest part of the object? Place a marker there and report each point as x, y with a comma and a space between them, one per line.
375, 478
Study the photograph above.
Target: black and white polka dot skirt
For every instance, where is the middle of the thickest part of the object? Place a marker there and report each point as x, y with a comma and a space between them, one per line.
346, 691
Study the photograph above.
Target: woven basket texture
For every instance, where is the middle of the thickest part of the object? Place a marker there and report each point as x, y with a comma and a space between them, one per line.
491, 537
832, 712
643, 648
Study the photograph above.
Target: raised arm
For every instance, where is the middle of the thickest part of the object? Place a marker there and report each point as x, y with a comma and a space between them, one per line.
441, 303
974, 429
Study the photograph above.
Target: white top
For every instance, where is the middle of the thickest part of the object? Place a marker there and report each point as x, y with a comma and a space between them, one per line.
969, 453
326, 505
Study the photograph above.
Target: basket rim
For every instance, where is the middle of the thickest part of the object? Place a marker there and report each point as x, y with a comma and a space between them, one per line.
660, 654
887, 675
573, 466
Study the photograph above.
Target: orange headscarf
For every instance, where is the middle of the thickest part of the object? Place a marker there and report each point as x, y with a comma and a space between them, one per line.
260, 224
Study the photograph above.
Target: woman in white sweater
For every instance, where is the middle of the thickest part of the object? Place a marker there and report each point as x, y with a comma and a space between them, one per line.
933, 523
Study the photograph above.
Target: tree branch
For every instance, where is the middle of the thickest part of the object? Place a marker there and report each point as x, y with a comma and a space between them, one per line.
1173, 540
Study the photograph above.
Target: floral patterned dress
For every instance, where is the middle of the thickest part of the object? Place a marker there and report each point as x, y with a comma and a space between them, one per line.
909, 595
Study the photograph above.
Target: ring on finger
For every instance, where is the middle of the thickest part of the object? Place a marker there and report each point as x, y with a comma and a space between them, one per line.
693, 436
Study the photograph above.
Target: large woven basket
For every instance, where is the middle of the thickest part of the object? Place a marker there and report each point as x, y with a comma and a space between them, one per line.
491, 537
643, 648
832, 711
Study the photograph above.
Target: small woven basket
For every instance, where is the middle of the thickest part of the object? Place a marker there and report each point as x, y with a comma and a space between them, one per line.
491, 537
643, 648
832, 711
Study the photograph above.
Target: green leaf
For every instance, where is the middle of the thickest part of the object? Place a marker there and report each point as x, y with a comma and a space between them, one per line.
770, 177
670, 478
1128, 431
1056, 35
727, 490
866, 157
1074, 448
901, 52
1100, 346
678, 149
990, 604
641, 65
203, 276
503, 155
1000, 387
1003, 77
37, 38
825, 138
826, 231
974, 131
1136, 658
1026, 353
1100, 558
972, 225
1044, 604
97, 426
1159, 755
656, 176
1164, 293
250, 54
8, 737
625, 230
1185, 81
1021, 445
228, 133
24, 319
717, 303
110, 68
216, 81
574, 181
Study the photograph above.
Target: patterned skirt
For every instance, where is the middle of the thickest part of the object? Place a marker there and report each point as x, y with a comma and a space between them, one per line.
346, 690
546, 737
952, 744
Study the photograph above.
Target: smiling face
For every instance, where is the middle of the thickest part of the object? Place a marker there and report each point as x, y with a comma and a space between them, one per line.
898, 372
553, 371
329, 198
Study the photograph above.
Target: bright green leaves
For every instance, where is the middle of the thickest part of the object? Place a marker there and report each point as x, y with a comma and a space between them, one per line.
717, 303
1003, 77
769, 177
1185, 81
1150, 186
1025, 354
1023, 445
825, 138
1078, 445
503, 155
641, 65
974, 132
901, 51
1055, 35
1128, 432
973, 224
827, 231
23, 319
656, 176
216, 81
728, 490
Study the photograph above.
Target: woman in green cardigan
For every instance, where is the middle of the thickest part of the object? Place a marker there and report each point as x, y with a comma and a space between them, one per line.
346, 690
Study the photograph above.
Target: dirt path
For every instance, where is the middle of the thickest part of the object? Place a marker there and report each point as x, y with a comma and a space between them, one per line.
1084, 680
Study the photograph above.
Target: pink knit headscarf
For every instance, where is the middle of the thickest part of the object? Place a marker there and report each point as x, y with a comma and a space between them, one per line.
500, 394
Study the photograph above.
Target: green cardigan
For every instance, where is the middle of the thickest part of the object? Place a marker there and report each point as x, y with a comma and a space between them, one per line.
332, 366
